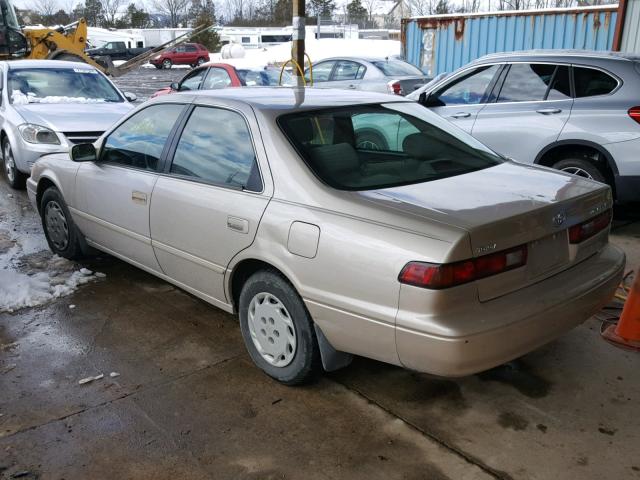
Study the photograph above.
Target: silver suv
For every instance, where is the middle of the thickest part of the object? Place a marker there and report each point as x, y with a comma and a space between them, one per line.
576, 111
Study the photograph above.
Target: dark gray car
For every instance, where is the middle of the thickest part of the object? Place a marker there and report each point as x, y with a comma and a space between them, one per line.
577, 111
373, 74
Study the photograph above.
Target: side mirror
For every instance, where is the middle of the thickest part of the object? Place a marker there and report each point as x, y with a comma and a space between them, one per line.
422, 98
429, 100
174, 86
131, 97
84, 152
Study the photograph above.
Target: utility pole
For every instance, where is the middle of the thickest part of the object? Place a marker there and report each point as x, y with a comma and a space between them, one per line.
297, 46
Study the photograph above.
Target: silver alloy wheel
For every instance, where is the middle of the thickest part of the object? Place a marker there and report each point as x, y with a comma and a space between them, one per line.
166, 63
9, 163
200, 61
577, 171
368, 145
57, 226
272, 329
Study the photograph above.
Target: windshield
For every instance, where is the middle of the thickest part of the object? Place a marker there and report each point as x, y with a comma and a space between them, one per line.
380, 146
264, 78
60, 85
9, 14
392, 68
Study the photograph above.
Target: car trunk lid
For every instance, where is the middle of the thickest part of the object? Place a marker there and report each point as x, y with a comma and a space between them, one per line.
507, 206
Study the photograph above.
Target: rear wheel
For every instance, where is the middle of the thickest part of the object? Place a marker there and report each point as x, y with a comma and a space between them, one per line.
61, 233
370, 140
200, 61
580, 168
166, 64
15, 177
277, 329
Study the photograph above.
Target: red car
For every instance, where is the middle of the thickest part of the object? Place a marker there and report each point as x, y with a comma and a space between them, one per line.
186, 54
221, 75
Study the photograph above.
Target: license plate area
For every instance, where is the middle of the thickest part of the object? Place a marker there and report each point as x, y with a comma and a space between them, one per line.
547, 254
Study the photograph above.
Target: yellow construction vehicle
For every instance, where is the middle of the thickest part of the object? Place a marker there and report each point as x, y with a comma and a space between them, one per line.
65, 43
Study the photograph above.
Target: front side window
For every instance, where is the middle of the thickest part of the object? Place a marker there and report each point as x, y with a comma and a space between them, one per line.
193, 80
413, 146
60, 85
346, 70
590, 82
216, 147
321, 72
139, 141
526, 82
469, 89
216, 78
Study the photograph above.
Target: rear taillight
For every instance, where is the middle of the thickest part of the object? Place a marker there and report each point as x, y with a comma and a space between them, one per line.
395, 88
437, 276
582, 231
634, 113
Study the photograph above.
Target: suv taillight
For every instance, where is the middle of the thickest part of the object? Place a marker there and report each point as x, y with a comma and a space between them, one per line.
437, 276
634, 113
582, 231
394, 87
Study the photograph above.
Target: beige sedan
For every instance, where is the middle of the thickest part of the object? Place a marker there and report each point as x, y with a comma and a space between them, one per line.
338, 223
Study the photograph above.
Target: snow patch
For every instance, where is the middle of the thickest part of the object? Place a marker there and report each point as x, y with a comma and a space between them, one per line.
19, 98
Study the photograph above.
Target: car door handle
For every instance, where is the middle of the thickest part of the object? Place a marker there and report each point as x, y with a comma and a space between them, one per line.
139, 197
549, 111
351, 86
238, 224
461, 115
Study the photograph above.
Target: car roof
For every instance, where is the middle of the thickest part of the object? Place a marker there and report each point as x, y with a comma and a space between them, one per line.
362, 59
18, 64
559, 54
289, 98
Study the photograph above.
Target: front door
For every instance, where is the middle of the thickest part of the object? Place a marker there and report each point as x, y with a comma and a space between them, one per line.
460, 100
207, 205
530, 110
113, 195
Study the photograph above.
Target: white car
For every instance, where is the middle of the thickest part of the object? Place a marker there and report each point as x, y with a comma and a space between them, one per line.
51, 105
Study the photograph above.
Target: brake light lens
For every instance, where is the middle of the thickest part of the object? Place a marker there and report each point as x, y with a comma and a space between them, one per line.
583, 231
634, 113
395, 88
438, 276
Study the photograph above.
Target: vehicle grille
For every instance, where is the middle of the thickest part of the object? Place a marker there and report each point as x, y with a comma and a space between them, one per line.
82, 137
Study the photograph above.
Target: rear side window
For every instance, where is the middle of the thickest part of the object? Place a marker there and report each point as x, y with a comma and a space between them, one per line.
590, 82
561, 85
380, 146
216, 147
526, 82
139, 141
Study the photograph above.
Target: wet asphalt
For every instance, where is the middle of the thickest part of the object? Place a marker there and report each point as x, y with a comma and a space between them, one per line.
188, 403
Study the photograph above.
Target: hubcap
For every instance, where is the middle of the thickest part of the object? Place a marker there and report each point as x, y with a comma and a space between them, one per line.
166, 64
272, 329
368, 145
577, 171
9, 163
56, 224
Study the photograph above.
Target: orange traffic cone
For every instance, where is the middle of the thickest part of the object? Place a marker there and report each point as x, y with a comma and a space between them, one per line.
626, 333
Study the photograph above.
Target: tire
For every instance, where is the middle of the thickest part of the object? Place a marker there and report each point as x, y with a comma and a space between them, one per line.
368, 140
69, 57
158, 66
15, 178
200, 61
62, 234
277, 329
581, 168
166, 64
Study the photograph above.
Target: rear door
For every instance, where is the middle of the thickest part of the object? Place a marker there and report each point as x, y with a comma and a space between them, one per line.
460, 100
527, 111
191, 54
207, 205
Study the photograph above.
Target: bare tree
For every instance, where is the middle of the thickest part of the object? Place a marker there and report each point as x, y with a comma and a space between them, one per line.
174, 9
422, 7
46, 8
370, 5
110, 11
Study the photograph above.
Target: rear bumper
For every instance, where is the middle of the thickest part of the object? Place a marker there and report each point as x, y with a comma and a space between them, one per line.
515, 324
627, 188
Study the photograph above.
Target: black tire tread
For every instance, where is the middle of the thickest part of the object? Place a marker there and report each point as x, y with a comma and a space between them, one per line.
74, 248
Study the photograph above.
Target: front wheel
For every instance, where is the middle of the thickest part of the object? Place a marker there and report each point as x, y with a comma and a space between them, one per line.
61, 233
166, 64
277, 329
15, 177
581, 168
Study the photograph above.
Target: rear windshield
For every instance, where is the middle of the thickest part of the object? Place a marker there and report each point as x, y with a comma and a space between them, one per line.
60, 85
393, 68
380, 146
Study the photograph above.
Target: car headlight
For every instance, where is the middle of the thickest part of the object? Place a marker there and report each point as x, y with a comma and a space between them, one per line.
38, 134
157, 57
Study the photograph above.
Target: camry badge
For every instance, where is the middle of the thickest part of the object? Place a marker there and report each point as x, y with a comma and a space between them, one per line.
559, 219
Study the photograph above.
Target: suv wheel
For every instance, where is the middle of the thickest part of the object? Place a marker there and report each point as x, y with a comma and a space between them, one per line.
166, 64
15, 177
581, 168
277, 329
200, 61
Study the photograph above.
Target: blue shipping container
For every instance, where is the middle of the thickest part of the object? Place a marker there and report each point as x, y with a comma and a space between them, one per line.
443, 43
